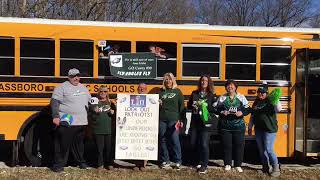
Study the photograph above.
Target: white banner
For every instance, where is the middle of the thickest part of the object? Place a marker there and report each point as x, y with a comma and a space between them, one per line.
137, 126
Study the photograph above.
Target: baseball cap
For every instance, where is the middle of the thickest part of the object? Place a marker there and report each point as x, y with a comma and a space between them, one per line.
262, 90
73, 72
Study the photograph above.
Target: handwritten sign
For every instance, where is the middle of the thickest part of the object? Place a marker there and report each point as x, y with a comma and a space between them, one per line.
137, 125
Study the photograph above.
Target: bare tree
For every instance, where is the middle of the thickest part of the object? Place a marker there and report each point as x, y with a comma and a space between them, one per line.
241, 12
315, 21
284, 12
168, 11
209, 11
223, 12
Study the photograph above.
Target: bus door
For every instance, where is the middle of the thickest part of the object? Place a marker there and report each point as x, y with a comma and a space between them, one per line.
307, 102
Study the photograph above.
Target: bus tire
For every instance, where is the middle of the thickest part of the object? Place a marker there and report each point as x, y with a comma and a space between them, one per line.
28, 145
38, 144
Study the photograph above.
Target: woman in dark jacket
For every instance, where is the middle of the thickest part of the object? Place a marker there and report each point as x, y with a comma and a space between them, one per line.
199, 126
102, 115
264, 120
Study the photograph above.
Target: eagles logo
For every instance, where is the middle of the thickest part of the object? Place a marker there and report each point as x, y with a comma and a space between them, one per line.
168, 95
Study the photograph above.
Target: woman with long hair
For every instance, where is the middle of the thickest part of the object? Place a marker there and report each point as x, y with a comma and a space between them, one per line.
201, 102
172, 112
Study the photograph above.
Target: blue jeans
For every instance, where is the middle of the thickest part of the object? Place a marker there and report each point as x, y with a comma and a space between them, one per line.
200, 145
169, 138
265, 142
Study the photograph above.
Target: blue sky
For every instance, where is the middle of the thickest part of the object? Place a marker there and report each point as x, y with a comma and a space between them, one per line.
315, 5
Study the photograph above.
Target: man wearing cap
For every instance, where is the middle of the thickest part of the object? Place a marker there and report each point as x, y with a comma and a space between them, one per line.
70, 99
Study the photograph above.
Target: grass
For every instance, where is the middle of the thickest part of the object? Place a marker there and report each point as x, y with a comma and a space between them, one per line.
72, 173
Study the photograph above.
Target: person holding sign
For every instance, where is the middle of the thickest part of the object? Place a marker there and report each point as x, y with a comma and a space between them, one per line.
102, 114
172, 112
232, 107
264, 120
201, 103
69, 105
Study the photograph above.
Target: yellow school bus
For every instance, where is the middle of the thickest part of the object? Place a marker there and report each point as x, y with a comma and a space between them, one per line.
35, 55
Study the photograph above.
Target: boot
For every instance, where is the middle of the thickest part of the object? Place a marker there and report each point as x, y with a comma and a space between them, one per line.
275, 171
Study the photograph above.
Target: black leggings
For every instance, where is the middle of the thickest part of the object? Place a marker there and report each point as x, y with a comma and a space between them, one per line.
233, 145
104, 147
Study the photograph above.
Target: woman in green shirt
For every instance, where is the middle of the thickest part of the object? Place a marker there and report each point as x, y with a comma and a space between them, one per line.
102, 116
264, 120
172, 112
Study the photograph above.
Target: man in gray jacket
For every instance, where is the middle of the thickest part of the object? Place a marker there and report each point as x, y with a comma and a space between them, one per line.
69, 104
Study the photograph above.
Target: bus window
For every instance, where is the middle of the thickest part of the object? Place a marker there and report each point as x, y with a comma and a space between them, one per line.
166, 54
241, 62
275, 63
6, 56
111, 48
37, 57
198, 59
76, 54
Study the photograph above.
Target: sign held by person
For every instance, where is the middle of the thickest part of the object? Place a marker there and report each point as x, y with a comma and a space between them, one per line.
137, 125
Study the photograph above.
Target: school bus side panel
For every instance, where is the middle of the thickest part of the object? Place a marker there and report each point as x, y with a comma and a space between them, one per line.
12, 121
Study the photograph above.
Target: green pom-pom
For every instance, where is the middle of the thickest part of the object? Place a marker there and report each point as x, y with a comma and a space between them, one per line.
204, 115
274, 96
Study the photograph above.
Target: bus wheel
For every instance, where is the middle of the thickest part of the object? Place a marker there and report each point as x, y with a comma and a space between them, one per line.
37, 144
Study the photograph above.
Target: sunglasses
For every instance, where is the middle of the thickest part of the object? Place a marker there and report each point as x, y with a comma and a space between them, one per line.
74, 76
261, 92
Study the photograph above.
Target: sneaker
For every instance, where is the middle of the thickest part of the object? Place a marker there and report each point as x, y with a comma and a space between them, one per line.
198, 166
275, 171
57, 169
164, 165
110, 167
100, 168
176, 166
239, 169
83, 166
227, 168
202, 170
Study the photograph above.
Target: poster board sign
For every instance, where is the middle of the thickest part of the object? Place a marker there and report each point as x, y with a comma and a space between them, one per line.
133, 65
137, 125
